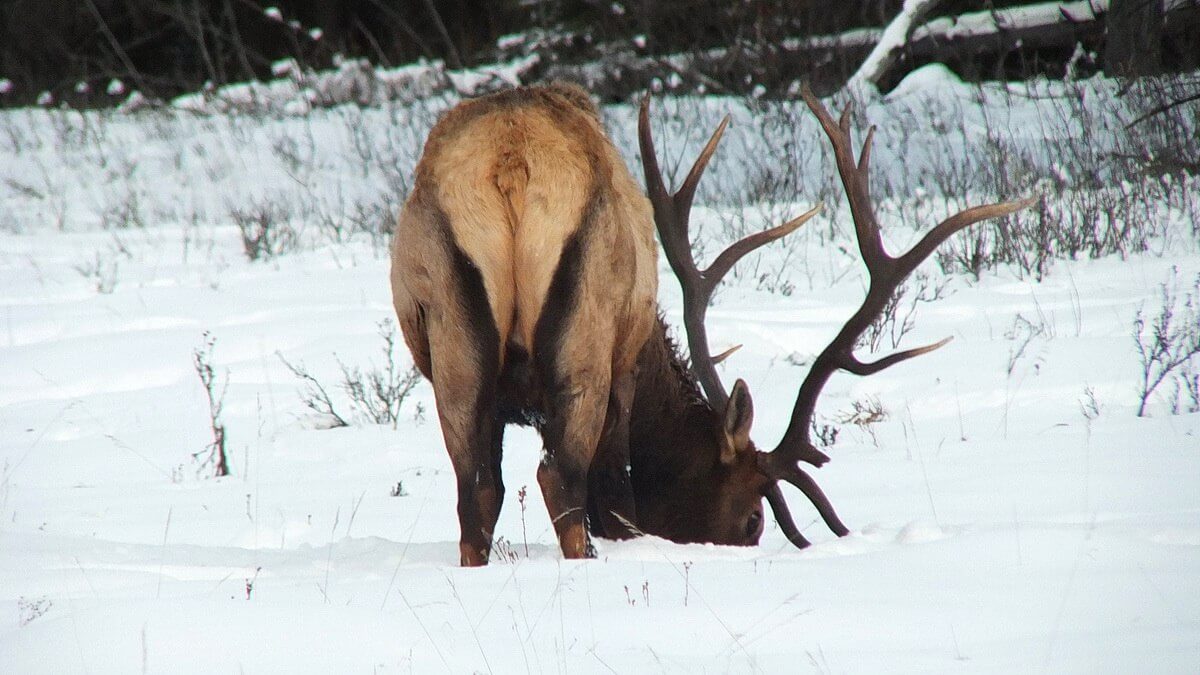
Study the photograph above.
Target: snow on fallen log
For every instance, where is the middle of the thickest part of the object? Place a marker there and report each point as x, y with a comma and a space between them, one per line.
891, 44
980, 24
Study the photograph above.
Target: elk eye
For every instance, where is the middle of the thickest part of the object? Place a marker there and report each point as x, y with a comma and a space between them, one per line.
753, 524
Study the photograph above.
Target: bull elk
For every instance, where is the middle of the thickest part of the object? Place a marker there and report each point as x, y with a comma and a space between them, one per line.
524, 278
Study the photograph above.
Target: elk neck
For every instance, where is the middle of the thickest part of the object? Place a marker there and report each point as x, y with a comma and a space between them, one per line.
673, 430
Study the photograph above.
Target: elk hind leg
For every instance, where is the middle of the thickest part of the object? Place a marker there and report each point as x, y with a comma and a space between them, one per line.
572, 432
465, 366
573, 343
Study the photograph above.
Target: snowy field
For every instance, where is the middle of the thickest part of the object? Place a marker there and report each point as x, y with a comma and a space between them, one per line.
1010, 511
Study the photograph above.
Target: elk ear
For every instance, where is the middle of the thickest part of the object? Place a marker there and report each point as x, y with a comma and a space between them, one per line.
739, 415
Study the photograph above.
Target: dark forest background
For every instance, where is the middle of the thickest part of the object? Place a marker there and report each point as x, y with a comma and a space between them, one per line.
74, 48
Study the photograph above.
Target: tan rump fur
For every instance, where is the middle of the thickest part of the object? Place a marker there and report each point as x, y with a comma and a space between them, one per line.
513, 179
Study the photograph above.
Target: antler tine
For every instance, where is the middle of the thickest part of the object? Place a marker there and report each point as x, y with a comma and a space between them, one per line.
671, 217
736, 251
886, 274
779, 468
725, 354
671, 231
855, 179
864, 158
859, 368
783, 516
687, 191
908, 262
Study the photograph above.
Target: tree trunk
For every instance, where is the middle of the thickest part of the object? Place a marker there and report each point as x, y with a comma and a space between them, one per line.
1134, 36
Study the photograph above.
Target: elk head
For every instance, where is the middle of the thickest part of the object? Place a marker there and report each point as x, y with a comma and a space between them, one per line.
728, 499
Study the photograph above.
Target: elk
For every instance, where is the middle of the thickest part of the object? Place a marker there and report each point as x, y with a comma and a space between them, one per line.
524, 278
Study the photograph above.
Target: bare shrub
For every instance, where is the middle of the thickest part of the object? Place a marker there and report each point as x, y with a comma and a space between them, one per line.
1090, 407
379, 392
315, 397
30, 609
213, 455
865, 414
1187, 383
1021, 334
1168, 345
342, 220
266, 232
101, 271
896, 320
521, 495
124, 213
376, 394
504, 551
295, 156
1164, 107
826, 434
1103, 181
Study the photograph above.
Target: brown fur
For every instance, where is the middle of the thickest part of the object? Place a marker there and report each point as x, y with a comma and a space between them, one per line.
524, 277
684, 490
506, 184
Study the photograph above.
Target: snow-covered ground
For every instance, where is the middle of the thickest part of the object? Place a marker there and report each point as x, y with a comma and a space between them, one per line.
1010, 513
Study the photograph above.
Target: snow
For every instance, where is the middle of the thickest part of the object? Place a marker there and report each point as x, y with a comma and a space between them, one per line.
996, 527
930, 77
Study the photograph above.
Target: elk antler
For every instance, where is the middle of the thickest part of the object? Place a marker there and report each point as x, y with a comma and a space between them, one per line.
886, 273
671, 213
